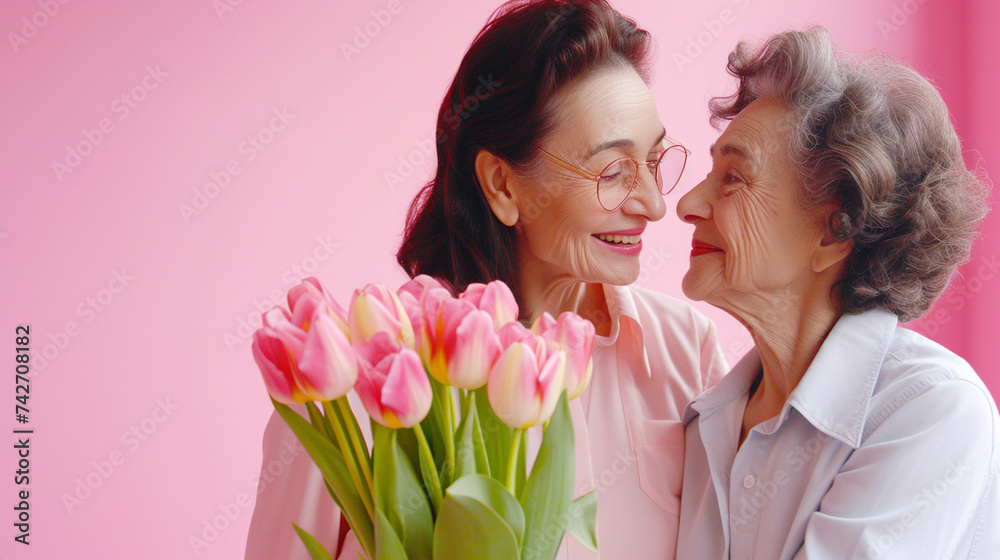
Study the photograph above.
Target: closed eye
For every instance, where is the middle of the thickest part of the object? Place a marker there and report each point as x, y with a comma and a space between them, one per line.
732, 181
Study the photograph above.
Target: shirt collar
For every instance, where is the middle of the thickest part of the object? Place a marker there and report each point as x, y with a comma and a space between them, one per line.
734, 386
626, 329
835, 391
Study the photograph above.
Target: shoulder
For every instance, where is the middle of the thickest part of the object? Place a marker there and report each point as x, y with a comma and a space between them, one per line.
921, 377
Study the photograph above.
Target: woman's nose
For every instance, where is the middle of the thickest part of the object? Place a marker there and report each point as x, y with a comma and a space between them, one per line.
648, 200
693, 206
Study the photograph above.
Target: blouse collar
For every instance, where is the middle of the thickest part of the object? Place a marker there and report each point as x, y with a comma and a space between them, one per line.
835, 391
626, 329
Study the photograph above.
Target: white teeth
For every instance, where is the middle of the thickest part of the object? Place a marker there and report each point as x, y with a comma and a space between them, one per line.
620, 239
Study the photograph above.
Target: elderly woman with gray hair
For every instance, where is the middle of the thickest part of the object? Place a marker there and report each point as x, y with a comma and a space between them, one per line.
838, 204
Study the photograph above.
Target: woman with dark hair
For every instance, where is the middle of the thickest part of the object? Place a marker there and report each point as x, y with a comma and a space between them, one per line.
551, 162
837, 205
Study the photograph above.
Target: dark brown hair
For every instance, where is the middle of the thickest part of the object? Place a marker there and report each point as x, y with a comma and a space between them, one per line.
874, 137
501, 101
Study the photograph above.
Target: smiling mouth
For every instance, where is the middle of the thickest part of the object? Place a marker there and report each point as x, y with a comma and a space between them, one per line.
624, 240
702, 248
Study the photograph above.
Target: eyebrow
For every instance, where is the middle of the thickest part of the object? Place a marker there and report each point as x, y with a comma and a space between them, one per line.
730, 149
621, 143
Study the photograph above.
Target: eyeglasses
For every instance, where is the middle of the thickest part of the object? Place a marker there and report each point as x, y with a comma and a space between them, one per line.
618, 179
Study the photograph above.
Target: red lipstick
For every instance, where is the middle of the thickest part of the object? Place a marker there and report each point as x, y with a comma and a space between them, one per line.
702, 248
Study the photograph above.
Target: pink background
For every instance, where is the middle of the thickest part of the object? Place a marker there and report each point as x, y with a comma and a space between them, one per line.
146, 405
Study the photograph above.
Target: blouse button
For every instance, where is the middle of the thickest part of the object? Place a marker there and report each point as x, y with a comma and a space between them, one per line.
748, 481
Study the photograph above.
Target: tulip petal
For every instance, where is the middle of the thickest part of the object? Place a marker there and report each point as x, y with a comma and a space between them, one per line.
407, 391
328, 366
512, 385
512, 332
471, 349
550, 384
273, 361
499, 302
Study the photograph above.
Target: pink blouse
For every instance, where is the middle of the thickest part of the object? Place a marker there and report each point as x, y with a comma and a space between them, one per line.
660, 353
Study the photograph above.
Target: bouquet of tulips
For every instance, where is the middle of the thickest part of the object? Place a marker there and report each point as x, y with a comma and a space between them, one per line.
451, 384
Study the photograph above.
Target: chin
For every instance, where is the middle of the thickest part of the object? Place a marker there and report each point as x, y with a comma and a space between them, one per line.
693, 287
622, 277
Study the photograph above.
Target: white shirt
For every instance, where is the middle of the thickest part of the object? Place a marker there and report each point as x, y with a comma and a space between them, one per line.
887, 448
659, 354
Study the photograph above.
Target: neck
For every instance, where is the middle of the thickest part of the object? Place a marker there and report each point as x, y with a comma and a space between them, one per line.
788, 329
558, 295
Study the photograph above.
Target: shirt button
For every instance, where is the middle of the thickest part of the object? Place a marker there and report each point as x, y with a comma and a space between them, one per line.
748, 481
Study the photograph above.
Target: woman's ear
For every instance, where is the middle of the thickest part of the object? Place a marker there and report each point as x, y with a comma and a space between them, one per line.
832, 250
494, 176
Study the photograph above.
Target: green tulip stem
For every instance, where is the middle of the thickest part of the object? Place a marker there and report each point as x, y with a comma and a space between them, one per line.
350, 458
433, 484
467, 397
354, 432
448, 401
515, 448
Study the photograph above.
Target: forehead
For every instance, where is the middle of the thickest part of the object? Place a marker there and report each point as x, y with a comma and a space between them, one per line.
759, 132
606, 103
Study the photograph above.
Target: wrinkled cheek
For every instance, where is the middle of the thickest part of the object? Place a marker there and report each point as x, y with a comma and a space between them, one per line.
557, 232
703, 277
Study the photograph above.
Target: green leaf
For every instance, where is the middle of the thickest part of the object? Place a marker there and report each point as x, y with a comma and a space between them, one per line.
315, 549
387, 545
583, 520
548, 493
479, 447
400, 493
434, 424
321, 423
496, 434
479, 520
465, 454
331, 463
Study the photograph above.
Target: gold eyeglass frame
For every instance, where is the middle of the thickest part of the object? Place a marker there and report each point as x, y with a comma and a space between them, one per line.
663, 191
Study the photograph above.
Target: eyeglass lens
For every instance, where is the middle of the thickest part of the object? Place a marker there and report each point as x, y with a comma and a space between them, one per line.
620, 176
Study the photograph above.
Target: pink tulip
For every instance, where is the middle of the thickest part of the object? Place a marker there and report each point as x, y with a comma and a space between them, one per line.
525, 382
310, 294
392, 384
459, 345
494, 298
302, 362
574, 335
376, 309
414, 296
513, 332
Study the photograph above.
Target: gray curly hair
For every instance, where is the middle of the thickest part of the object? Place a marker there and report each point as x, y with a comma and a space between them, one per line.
874, 137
